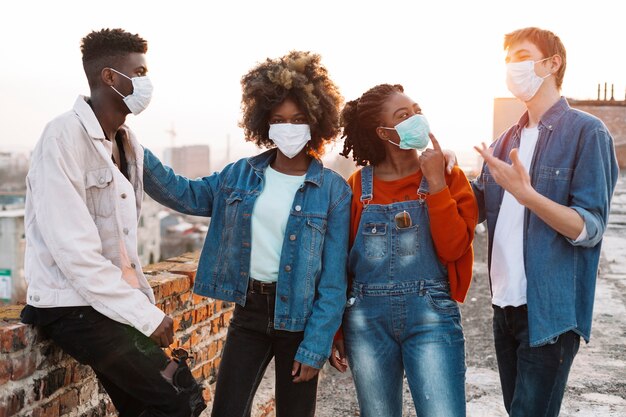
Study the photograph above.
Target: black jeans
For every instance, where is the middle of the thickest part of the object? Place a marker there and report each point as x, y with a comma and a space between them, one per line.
533, 378
250, 345
126, 362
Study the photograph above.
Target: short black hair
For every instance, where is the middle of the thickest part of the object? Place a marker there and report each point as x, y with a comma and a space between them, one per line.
105, 48
300, 76
359, 120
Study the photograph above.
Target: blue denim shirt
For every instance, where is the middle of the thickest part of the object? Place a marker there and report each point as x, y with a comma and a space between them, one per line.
574, 164
311, 287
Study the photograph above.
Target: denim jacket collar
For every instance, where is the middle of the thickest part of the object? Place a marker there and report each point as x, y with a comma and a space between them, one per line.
550, 117
314, 174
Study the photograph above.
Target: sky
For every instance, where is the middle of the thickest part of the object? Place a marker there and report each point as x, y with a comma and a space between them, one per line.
447, 54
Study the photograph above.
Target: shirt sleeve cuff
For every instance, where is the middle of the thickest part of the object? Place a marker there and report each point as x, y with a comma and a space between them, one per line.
440, 198
583, 234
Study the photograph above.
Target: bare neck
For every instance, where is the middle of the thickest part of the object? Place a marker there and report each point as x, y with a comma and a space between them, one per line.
540, 104
298, 165
398, 163
109, 117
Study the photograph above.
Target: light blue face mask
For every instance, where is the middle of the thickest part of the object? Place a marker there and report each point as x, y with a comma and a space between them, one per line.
413, 133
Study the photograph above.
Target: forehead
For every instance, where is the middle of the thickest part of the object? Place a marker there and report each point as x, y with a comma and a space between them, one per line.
135, 60
396, 101
524, 47
287, 107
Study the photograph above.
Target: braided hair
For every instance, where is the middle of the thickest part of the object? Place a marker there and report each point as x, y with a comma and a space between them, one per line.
359, 120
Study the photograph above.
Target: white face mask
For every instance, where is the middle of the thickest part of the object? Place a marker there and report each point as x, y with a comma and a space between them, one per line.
290, 138
139, 99
522, 80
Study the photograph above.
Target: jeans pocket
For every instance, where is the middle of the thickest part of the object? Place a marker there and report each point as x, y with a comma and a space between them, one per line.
440, 300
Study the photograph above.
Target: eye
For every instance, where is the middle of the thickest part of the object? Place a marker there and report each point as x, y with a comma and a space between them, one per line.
276, 120
300, 121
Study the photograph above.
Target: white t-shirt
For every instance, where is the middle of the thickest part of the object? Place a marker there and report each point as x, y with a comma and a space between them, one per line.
269, 221
508, 276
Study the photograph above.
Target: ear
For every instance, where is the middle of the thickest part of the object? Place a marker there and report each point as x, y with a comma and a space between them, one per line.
555, 63
107, 76
383, 134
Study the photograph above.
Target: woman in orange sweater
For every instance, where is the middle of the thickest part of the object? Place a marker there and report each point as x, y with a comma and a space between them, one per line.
410, 261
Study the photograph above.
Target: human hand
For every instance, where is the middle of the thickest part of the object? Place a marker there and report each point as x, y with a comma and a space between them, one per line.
164, 334
432, 166
512, 177
338, 356
306, 372
450, 159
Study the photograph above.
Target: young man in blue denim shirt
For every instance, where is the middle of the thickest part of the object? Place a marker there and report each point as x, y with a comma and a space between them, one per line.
545, 191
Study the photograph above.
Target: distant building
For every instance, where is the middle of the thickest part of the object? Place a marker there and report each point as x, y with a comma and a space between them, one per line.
191, 161
12, 246
507, 111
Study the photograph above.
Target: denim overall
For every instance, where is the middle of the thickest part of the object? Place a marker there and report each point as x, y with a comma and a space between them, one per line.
400, 317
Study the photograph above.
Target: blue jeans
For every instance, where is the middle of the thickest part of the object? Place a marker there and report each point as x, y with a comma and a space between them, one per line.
533, 378
412, 327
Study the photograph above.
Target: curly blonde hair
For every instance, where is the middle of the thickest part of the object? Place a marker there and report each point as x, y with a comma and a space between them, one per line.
301, 77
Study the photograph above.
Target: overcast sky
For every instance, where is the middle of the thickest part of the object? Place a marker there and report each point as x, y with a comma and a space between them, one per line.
447, 54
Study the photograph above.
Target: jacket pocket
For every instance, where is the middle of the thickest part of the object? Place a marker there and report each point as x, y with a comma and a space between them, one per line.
99, 192
231, 208
375, 240
554, 183
316, 229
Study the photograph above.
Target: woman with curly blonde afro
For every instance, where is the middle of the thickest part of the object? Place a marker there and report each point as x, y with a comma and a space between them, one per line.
278, 240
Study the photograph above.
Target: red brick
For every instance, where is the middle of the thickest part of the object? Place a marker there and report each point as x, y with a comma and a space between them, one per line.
14, 337
6, 368
197, 372
68, 401
50, 409
13, 403
88, 391
23, 366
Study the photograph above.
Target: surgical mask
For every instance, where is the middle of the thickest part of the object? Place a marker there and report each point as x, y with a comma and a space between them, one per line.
522, 80
290, 138
413, 133
139, 99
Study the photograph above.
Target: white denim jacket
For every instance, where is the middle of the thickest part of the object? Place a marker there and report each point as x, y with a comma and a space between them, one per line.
73, 223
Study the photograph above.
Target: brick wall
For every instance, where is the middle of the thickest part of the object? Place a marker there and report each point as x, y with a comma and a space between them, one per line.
37, 379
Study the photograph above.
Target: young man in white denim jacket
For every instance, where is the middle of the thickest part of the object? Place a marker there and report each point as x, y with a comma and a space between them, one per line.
86, 289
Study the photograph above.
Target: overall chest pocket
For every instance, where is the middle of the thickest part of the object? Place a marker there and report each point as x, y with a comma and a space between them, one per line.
407, 240
99, 192
375, 240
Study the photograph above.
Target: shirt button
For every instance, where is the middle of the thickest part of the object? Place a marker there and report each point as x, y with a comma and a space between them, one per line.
298, 208
145, 328
101, 180
123, 195
282, 325
133, 265
288, 268
125, 230
292, 237
283, 298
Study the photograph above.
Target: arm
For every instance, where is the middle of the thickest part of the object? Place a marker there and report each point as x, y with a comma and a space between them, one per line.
70, 234
591, 188
186, 196
331, 290
453, 214
478, 187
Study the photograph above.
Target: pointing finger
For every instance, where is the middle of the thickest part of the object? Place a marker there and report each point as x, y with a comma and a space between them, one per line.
436, 145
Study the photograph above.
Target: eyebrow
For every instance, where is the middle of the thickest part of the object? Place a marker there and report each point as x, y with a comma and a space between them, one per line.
518, 53
400, 109
295, 115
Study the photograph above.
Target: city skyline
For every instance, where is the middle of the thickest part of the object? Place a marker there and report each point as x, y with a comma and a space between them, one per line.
447, 55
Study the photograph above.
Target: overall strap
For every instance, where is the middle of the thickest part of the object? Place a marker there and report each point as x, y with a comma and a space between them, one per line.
423, 189
367, 184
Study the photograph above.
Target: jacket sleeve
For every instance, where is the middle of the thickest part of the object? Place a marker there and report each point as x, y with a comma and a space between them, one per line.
179, 193
593, 183
330, 296
453, 214
71, 236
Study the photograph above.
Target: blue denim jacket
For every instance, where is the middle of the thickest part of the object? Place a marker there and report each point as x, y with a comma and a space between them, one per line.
311, 287
574, 164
